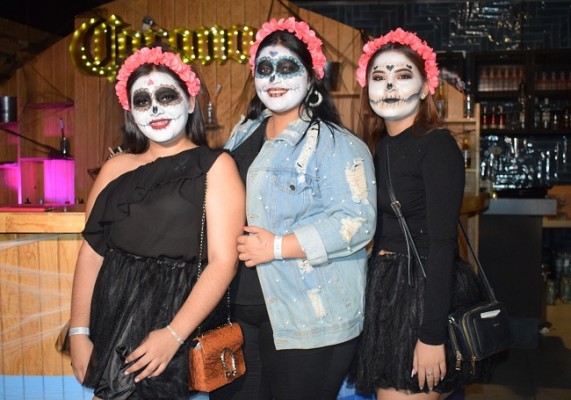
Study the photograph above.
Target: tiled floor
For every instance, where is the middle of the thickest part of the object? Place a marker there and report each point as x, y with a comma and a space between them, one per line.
543, 373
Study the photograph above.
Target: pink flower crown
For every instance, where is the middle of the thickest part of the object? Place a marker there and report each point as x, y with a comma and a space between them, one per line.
155, 56
302, 31
408, 39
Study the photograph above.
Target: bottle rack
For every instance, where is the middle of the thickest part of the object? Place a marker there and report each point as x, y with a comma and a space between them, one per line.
546, 108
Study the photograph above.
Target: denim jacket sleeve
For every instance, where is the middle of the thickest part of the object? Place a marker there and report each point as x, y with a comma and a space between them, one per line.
348, 192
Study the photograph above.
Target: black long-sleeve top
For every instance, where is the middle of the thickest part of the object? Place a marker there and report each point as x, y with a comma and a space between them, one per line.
428, 179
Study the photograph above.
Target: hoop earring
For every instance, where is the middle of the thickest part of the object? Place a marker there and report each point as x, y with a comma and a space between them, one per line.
318, 101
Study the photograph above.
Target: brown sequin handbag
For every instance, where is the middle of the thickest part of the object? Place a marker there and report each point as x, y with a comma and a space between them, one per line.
216, 357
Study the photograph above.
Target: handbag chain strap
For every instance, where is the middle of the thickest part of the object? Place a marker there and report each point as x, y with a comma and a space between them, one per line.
396, 206
200, 251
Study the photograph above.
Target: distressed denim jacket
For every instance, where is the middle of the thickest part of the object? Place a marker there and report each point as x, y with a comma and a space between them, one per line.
317, 182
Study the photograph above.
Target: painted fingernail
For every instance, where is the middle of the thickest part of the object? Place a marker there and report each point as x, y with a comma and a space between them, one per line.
126, 372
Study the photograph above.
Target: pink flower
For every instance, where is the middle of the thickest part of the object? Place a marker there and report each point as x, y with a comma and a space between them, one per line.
302, 31
408, 39
155, 56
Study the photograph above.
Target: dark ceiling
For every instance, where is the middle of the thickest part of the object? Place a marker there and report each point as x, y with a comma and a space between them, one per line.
28, 27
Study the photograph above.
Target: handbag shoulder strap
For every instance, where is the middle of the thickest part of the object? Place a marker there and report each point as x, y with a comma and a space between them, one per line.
396, 206
479, 269
201, 250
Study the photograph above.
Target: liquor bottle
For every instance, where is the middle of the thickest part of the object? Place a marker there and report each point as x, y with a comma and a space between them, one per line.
567, 116
501, 118
545, 114
493, 119
466, 153
492, 83
440, 100
522, 105
541, 81
553, 81
536, 113
485, 119
484, 84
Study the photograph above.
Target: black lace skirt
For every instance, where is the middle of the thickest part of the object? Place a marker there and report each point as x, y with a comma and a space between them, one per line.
393, 314
132, 297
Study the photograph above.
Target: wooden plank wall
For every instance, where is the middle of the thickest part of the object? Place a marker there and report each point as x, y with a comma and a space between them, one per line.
36, 272
94, 123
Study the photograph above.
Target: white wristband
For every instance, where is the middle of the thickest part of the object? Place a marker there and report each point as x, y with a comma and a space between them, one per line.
278, 247
81, 330
176, 336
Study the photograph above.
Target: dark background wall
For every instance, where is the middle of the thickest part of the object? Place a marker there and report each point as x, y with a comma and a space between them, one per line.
460, 26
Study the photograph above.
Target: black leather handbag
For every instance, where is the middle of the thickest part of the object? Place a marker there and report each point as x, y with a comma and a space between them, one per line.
482, 329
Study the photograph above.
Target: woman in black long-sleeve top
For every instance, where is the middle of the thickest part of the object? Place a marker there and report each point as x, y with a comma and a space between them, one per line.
402, 351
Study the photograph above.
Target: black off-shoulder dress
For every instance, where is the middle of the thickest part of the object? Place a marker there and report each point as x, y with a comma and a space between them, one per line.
146, 224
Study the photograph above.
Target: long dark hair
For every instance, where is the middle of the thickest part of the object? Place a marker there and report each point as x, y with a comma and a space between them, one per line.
427, 118
134, 141
326, 111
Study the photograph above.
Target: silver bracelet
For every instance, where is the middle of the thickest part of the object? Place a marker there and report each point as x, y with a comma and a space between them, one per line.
80, 330
176, 336
278, 247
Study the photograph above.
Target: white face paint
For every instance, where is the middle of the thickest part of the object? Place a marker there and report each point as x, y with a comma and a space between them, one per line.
281, 80
395, 85
159, 107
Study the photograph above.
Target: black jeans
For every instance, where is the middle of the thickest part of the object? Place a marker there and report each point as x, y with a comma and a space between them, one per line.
271, 374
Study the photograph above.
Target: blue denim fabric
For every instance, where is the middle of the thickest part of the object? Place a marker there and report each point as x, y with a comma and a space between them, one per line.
300, 183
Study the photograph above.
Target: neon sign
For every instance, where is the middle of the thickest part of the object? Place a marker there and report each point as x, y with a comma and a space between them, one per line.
99, 46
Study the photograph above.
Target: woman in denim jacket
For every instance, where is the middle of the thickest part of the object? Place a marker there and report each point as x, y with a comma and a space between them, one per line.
311, 210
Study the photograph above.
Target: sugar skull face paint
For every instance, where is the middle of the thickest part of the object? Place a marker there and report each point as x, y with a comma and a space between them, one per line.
281, 80
395, 85
159, 106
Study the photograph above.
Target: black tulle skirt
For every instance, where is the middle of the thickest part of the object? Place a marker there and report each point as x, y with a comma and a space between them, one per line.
393, 314
132, 297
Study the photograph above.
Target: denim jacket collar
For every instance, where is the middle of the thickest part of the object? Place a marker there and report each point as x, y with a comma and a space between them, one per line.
292, 134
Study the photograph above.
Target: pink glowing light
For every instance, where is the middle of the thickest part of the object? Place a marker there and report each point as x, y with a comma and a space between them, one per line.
59, 181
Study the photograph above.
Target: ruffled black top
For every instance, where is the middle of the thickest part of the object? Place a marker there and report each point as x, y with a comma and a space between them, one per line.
148, 211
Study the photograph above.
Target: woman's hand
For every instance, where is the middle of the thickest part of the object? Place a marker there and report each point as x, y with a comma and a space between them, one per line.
257, 247
153, 355
81, 348
429, 363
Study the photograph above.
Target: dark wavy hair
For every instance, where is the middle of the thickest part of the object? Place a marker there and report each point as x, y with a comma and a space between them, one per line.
326, 111
134, 141
427, 118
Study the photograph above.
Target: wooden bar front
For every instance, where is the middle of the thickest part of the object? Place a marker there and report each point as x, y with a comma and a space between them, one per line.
38, 251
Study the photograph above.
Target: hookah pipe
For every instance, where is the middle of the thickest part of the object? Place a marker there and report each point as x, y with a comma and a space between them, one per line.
63, 143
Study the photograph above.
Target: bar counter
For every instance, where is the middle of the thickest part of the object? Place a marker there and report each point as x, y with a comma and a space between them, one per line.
38, 251
554, 222
511, 253
42, 219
